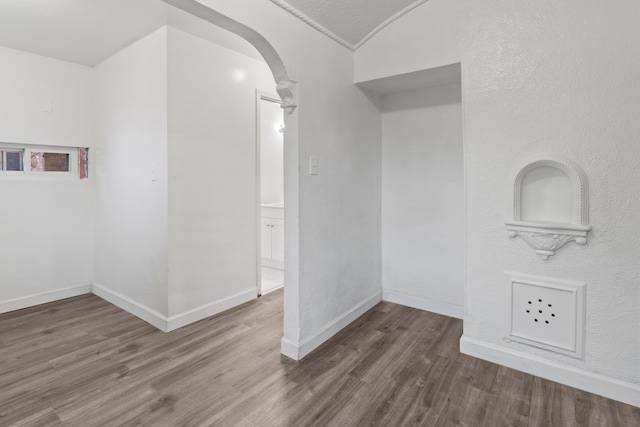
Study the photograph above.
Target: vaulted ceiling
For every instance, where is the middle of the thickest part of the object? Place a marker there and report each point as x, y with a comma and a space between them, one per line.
349, 22
89, 31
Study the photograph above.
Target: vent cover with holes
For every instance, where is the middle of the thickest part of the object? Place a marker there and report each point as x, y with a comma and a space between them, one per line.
547, 313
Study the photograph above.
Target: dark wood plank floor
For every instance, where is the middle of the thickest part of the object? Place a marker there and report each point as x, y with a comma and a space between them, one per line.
84, 362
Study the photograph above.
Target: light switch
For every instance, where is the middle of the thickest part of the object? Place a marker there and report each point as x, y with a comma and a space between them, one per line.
313, 165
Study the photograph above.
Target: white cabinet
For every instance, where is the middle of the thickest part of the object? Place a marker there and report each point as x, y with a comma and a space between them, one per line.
265, 238
277, 239
272, 237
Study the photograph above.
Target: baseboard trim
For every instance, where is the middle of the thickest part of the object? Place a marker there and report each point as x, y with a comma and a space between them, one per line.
43, 298
211, 309
275, 288
573, 377
433, 306
297, 351
147, 314
289, 349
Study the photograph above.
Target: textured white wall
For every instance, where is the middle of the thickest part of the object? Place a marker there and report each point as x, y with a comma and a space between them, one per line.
212, 171
553, 78
131, 173
46, 227
423, 196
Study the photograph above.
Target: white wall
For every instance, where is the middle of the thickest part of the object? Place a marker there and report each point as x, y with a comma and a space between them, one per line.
423, 199
131, 175
212, 173
555, 78
271, 153
46, 227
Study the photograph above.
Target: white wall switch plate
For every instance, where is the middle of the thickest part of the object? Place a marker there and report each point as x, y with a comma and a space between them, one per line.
313, 165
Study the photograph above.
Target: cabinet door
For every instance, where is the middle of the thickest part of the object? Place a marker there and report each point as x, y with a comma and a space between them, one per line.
265, 237
277, 239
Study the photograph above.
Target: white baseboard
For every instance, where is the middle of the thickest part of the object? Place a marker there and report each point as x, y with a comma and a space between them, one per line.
147, 314
43, 298
297, 351
438, 307
289, 349
573, 377
211, 309
275, 288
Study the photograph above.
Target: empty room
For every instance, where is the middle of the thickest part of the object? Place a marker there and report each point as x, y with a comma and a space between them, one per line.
331, 213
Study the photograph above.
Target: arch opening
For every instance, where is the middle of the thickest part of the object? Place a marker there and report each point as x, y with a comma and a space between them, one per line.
285, 86
287, 90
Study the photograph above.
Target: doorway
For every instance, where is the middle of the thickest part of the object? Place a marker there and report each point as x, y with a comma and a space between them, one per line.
270, 203
287, 89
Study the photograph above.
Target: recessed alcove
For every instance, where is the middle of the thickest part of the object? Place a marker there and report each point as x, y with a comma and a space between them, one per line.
549, 205
546, 195
422, 181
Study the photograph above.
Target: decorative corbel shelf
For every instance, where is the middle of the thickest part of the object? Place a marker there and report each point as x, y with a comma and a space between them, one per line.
546, 239
542, 218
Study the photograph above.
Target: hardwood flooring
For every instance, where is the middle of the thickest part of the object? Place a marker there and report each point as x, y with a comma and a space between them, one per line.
84, 362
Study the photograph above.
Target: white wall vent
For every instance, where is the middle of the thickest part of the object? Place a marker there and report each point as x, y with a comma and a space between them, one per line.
546, 313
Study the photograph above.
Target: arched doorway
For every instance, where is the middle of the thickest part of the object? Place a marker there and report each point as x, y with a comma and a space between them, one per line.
287, 90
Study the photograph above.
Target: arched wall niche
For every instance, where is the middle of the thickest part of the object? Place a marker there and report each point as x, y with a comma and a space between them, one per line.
579, 188
549, 205
287, 89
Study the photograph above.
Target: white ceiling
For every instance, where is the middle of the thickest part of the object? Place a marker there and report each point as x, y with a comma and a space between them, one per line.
349, 22
89, 31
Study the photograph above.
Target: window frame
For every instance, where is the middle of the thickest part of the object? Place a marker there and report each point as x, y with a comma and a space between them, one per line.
27, 174
3, 157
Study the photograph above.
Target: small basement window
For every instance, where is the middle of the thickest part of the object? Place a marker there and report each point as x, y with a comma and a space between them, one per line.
43, 162
11, 160
49, 162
